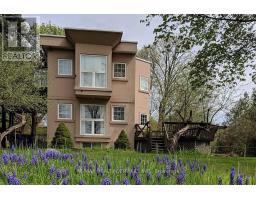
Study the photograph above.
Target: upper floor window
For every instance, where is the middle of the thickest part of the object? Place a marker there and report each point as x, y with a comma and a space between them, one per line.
93, 71
119, 70
143, 119
64, 111
65, 67
118, 113
144, 83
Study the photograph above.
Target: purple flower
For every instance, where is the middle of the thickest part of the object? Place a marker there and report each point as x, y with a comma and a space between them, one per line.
158, 159
99, 171
12, 179
180, 178
34, 160
77, 169
137, 181
58, 174
204, 168
25, 176
232, 176
173, 165
106, 181
167, 171
84, 157
109, 165
239, 180
5, 158
81, 182
148, 175
125, 181
117, 183
64, 173
219, 180
52, 170
65, 181
158, 176
53, 182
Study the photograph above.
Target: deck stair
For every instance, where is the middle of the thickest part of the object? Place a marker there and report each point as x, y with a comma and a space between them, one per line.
157, 144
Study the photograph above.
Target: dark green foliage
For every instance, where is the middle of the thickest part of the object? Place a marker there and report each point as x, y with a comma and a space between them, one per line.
223, 45
240, 133
62, 138
122, 141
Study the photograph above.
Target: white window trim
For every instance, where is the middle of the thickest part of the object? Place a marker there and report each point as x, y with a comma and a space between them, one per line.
147, 81
112, 111
93, 77
140, 117
71, 110
59, 67
125, 71
89, 119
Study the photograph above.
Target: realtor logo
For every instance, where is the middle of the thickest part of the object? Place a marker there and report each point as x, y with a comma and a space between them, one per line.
20, 39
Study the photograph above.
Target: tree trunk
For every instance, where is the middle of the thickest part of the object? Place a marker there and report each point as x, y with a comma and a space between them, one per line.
33, 126
161, 118
3, 119
11, 119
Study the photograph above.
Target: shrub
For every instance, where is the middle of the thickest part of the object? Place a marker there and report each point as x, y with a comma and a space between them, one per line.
122, 141
62, 138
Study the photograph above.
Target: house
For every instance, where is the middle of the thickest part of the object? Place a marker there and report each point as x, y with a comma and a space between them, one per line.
96, 86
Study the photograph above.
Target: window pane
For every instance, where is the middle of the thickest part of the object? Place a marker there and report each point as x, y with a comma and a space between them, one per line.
144, 83
86, 79
98, 127
86, 127
93, 71
119, 70
65, 67
143, 119
93, 63
92, 119
118, 113
100, 80
65, 111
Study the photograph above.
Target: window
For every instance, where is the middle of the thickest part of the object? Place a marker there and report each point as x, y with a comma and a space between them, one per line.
119, 70
65, 67
143, 119
118, 113
144, 83
92, 119
93, 71
64, 111
92, 145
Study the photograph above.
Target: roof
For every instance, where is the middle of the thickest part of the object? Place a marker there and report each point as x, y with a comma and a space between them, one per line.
91, 36
146, 61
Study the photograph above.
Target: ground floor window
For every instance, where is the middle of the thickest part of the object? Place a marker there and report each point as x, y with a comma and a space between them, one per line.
143, 119
92, 119
64, 111
91, 145
118, 113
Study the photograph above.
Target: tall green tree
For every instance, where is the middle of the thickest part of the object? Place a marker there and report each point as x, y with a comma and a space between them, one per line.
224, 45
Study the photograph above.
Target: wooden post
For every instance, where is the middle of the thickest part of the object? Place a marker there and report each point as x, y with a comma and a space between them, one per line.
33, 127
3, 119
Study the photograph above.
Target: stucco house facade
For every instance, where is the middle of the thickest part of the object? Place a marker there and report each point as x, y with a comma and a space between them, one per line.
96, 86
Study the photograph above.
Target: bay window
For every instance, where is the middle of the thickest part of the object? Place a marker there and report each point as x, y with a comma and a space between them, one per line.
92, 119
93, 71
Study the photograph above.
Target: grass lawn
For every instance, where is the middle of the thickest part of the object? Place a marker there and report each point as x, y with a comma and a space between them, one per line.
107, 166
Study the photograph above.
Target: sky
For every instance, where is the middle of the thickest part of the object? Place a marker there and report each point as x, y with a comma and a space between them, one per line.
132, 30
130, 25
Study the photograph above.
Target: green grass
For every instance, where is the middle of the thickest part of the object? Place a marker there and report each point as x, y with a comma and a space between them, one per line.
217, 166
